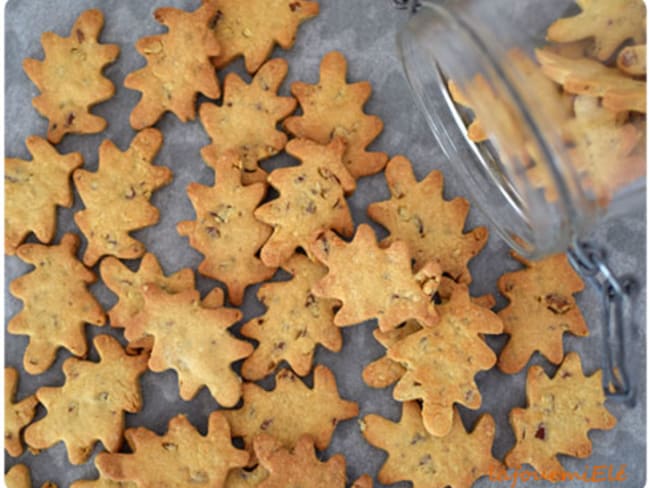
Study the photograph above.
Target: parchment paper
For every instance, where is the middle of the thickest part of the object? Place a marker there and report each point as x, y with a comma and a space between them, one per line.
365, 31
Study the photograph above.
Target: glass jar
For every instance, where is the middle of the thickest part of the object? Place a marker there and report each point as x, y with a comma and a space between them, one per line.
546, 151
534, 177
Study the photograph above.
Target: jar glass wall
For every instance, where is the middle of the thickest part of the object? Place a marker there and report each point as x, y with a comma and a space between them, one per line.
545, 163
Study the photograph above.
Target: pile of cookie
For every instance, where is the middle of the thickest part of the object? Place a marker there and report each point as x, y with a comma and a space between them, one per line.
433, 330
587, 87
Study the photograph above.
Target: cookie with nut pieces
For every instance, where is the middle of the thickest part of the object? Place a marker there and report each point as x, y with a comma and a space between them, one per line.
91, 404
56, 303
274, 412
226, 231
374, 282
70, 77
245, 124
117, 197
294, 323
33, 191
180, 457
333, 108
178, 65
252, 28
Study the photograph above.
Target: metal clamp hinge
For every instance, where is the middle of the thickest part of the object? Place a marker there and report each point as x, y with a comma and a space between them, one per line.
619, 295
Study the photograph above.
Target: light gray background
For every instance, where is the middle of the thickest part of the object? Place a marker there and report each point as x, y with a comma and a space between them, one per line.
365, 31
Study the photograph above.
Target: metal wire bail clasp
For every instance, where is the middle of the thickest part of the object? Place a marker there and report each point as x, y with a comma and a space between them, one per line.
619, 295
412, 5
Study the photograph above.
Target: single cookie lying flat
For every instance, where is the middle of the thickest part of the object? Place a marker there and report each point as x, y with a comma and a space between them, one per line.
17, 415
225, 230
333, 108
246, 122
441, 361
298, 466
414, 455
432, 227
542, 308
70, 77
251, 28
560, 413
34, 189
312, 199
117, 196
375, 283
178, 65
275, 412
56, 303
295, 322
608, 22
90, 406
193, 340
180, 457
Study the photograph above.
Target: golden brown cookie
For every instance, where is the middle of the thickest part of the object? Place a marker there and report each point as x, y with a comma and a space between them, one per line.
17, 415
193, 340
251, 28
414, 455
295, 322
620, 93
70, 77
275, 412
116, 197
312, 199
432, 227
560, 413
632, 60
441, 361
332, 108
246, 478
90, 406
599, 137
245, 124
383, 372
475, 130
127, 285
225, 230
297, 466
180, 457
499, 119
34, 189
542, 308
375, 283
608, 22
19, 477
56, 303
178, 65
